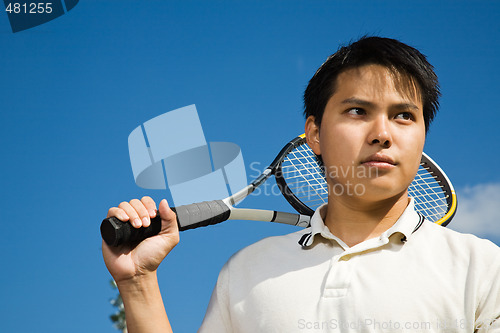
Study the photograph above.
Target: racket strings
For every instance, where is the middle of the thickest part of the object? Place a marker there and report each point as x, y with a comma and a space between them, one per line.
306, 180
304, 176
428, 192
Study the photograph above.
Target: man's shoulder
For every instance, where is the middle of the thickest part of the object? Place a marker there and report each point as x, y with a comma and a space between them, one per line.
269, 251
286, 242
458, 241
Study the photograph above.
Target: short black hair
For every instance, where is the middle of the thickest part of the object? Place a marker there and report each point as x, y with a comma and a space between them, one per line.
403, 60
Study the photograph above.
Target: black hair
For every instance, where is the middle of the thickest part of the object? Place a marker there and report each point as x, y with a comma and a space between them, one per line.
403, 60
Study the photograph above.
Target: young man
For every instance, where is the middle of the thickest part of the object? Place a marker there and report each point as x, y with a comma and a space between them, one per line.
368, 262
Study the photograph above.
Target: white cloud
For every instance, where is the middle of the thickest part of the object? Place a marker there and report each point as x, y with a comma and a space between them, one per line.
478, 211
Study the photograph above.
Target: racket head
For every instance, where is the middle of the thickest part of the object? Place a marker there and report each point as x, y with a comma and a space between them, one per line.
301, 179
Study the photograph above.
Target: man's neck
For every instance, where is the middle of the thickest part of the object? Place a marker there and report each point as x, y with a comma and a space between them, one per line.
354, 221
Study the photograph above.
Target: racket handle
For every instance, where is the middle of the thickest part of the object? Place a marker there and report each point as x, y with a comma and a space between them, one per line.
115, 232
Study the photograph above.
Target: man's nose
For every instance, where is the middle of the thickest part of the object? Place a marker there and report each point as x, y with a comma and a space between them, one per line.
380, 133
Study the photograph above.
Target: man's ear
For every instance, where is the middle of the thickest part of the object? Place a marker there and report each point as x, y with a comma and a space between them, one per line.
312, 134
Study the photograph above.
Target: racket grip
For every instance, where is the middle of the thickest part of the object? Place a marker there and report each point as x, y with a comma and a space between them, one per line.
202, 214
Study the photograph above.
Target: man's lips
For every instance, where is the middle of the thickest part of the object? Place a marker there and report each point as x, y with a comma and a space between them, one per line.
379, 160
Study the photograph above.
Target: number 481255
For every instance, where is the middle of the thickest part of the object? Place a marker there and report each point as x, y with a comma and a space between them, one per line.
30, 8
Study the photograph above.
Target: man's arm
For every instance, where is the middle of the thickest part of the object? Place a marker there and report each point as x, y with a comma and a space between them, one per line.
134, 268
144, 309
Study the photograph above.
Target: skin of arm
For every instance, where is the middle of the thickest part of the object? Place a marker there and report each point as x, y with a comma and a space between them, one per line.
135, 269
144, 309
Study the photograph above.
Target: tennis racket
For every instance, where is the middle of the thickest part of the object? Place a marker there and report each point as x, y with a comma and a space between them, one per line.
300, 178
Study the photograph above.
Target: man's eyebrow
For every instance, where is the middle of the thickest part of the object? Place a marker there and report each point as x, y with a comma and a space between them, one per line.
358, 101
362, 102
403, 106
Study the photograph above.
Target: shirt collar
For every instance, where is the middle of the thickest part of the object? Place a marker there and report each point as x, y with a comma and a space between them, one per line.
408, 223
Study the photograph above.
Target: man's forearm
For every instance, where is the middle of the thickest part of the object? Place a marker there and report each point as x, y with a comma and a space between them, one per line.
144, 308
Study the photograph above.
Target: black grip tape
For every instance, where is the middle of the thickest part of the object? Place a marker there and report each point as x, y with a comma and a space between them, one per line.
116, 233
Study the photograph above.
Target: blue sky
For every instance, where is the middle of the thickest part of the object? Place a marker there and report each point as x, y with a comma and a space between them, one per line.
73, 89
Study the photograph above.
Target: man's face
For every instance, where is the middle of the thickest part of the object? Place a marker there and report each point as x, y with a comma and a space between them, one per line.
371, 136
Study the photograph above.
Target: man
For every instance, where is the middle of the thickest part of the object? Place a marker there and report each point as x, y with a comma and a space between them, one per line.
368, 262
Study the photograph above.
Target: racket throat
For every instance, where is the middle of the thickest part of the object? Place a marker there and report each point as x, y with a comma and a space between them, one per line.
239, 196
269, 216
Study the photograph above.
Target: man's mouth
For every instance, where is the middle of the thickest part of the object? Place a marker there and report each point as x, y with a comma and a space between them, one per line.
379, 161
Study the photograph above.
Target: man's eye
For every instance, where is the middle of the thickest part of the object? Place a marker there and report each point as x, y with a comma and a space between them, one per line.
356, 111
405, 116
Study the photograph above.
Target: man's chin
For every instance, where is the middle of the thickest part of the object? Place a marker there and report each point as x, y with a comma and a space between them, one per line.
373, 190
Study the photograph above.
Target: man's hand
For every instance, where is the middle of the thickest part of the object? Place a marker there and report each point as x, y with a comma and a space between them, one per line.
134, 268
125, 262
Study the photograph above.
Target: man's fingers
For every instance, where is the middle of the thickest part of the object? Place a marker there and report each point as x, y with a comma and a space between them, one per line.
150, 205
165, 212
132, 214
118, 213
142, 212
168, 217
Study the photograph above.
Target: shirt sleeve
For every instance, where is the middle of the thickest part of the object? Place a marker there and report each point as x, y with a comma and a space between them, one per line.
488, 314
217, 318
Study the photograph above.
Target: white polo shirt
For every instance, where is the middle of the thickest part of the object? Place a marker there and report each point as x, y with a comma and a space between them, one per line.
417, 276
